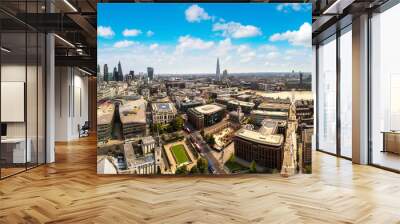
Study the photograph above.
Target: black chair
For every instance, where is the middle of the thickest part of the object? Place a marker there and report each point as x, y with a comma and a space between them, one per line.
84, 130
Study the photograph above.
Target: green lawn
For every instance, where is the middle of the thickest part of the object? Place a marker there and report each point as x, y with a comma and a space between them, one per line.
179, 153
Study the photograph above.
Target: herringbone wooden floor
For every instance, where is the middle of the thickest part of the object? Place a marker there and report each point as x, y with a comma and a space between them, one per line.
69, 191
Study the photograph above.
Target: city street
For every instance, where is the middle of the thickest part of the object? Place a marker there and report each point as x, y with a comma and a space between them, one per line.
207, 152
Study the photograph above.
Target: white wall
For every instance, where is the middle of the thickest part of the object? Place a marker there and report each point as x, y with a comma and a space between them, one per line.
71, 94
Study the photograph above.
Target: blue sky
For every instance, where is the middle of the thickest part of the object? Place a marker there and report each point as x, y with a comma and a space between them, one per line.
188, 38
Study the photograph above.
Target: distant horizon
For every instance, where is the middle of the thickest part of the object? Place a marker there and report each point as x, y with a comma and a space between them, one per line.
247, 38
210, 74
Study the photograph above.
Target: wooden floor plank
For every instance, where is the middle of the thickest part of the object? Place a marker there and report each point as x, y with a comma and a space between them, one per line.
70, 191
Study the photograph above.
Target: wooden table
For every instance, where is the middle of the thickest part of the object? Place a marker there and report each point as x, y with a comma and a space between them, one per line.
391, 141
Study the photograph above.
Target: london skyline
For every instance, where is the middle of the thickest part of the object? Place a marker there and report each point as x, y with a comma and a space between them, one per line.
243, 40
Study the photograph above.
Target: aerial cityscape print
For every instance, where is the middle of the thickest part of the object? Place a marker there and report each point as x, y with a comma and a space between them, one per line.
190, 89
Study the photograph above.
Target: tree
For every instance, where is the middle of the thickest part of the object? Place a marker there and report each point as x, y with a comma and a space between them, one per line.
168, 128
250, 121
182, 170
210, 139
177, 123
202, 132
194, 170
232, 158
202, 165
253, 165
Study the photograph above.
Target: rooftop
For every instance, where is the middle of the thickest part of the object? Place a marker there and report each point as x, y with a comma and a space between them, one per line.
132, 161
105, 166
269, 105
270, 113
163, 107
241, 103
133, 111
255, 136
209, 108
105, 113
268, 127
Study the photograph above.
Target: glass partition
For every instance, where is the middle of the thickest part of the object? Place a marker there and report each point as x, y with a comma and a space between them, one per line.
22, 88
327, 96
13, 92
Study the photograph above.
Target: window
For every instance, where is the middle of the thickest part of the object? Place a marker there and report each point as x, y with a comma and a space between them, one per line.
385, 89
327, 96
346, 93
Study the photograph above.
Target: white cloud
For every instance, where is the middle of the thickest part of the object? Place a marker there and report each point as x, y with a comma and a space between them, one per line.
223, 48
286, 7
242, 48
131, 32
195, 14
149, 33
191, 43
268, 47
300, 37
236, 30
191, 55
153, 46
272, 55
123, 44
105, 31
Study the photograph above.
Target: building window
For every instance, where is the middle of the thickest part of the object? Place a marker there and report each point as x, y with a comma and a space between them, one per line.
385, 89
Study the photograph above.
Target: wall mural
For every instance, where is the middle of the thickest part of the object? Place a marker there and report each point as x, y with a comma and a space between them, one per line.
195, 89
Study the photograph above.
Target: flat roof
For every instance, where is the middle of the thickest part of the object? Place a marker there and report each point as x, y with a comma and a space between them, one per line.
245, 95
105, 113
241, 103
255, 136
269, 105
163, 107
270, 113
133, 111
209, 108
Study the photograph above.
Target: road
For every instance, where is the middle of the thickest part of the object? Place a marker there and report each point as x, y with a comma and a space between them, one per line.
206, 152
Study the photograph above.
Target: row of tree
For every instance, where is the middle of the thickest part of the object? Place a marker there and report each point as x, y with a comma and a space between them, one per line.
200, 168
175, 125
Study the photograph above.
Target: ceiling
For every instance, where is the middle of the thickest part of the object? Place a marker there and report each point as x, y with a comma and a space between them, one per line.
73, 21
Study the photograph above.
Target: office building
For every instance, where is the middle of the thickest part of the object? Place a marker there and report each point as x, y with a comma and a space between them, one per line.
274, 106
105, 121
246, 107
133, 118
206, 115
264, 148
218, 73
225, 74
257, 116
105, 73
120, 76
115, 74
175, 84
183, 103
150, 73
163, 113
